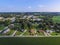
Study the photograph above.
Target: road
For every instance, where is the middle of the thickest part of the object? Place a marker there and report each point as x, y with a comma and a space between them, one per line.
46, 34
5, 30
14, 33
23, 33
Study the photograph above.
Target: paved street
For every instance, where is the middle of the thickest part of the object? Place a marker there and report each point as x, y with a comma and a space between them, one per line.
14, 33
46, 34
23, 33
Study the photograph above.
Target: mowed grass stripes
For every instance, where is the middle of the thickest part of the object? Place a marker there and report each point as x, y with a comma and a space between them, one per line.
29, 40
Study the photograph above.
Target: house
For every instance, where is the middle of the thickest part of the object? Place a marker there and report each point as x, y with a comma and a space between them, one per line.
25, 17
7, 30
50, 31
51, 26
58, 31
11, 19
32, 31
1, 18
11, 26
40, 31
37, 19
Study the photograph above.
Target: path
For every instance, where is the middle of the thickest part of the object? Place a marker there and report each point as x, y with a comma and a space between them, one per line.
14, 33
23, 33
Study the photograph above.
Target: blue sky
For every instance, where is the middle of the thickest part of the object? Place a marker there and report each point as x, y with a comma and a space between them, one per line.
29, 5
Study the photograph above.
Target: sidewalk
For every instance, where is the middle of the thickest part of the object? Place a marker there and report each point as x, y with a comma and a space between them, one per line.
14, 33
23, 33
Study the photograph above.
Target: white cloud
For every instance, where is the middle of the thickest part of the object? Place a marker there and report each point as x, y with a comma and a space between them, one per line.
29, 7
41, 6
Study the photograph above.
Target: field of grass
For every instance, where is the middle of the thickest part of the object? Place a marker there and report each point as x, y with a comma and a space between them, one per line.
18, 33
10, 32
55, 34
1, 27
30, 41
56, 19
40, 34
41, 16
26, 33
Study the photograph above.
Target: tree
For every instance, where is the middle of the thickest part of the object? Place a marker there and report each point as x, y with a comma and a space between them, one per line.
7, 22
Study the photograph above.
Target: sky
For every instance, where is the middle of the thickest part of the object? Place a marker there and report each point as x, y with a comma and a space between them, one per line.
29, 5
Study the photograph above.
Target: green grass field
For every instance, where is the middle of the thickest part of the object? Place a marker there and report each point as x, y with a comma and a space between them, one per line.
18, 33
10, 32
30, 41
1, 27
56, 19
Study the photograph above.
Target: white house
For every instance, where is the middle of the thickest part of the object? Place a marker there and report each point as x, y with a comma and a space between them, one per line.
50, 31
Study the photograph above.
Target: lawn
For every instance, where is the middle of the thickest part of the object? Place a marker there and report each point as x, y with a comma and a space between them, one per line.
55, 34
18, 33
30, 41
10, 32
1, 27
41, 16
40, 34
56, 19
26, 33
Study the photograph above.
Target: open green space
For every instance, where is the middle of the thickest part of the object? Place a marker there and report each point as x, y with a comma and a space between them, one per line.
40, 34
41, 16
10, 32
56, 19
30, 41
26, 33
1, 27
18, 33
55, 34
